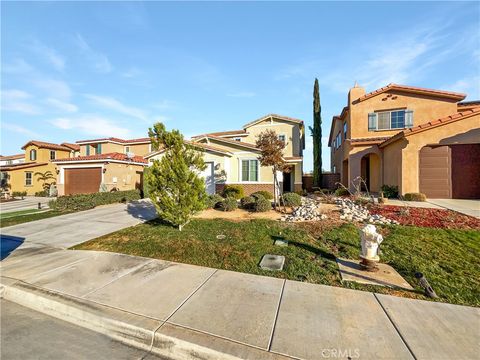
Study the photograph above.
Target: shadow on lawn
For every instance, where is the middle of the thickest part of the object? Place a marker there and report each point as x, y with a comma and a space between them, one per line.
309, 248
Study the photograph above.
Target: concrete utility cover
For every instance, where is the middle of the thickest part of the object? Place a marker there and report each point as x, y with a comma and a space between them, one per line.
385, 276
272, 262
281, 242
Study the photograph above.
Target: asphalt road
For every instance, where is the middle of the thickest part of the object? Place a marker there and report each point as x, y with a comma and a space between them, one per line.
27, 334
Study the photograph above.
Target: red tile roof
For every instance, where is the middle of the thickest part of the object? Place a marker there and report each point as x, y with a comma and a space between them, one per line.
118, 140
104, 158
378, 139
73, 147
413, 89
223, 133
46, 145
433, 124
20, 166
12, 157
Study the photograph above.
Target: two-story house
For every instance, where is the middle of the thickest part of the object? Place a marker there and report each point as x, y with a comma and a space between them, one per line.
37, 168
232, 156
115, 163
421, 140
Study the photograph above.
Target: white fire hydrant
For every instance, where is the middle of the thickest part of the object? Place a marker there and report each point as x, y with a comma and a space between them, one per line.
370, 242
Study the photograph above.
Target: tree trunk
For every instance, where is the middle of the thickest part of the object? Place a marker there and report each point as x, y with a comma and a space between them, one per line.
274, 189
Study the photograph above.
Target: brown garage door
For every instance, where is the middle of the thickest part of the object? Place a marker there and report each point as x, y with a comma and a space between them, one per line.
435, 176
82, 180
466, 171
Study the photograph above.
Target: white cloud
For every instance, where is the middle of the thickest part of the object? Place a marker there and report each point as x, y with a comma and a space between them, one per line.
54, 88
62, 105
469, 86
18, 66
19, 129
97, 60
242, 94
18, 101
131, 73
91, 124
115, 105
163, 104
49, 54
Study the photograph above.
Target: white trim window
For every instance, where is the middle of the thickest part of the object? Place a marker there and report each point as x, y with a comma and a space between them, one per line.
127, 149
249, 170
53, 154
282, 137
33, 155
388, 120
28, 178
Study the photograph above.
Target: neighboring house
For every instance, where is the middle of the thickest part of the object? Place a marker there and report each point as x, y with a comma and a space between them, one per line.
114, 162
232, 157
12, 159
37, 162
421, 140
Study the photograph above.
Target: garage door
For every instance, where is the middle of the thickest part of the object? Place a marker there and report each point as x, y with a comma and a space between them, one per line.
82, 180
435, 176
465, 171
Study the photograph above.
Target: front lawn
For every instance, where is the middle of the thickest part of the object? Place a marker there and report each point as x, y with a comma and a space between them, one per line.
448, 258
27, 217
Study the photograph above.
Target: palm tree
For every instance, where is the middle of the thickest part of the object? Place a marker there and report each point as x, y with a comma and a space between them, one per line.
45, 176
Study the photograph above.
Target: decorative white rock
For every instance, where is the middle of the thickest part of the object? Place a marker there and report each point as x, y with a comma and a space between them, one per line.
370, 242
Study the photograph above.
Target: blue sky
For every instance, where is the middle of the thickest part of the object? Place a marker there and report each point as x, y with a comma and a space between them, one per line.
80, 70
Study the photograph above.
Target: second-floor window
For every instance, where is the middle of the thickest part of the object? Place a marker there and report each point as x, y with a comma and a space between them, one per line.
281, 138
52, 155
345, 130
338, 140
127, 149
98, 149
87, 150
388, 120
33, 155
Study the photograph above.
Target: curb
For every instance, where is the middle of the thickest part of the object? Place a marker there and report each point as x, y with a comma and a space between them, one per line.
131, 329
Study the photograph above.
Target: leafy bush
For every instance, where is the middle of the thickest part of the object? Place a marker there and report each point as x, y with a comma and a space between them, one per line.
247, 202
228, 204
89, 201
262, 205
390, 191
341, 192
234, 191
43, 193
266, 194
21, 194
415, 197
257, 196
292, 199
213, 200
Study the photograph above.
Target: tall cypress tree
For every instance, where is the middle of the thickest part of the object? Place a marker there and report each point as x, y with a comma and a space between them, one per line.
317, 137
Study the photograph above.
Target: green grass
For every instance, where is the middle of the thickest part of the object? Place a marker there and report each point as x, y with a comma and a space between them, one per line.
448, 258
5, 215
27, 217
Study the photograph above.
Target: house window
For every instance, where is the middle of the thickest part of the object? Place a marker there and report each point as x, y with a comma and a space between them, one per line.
345, 130
249, 170
127, 149
52, 154
338, 140
9, 162
281, 138
237, 139
387, 120
28, 178
98, 149
33, 155
87, 152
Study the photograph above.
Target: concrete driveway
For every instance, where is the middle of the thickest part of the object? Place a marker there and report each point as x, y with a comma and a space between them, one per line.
467, 207
29, 202
72, 229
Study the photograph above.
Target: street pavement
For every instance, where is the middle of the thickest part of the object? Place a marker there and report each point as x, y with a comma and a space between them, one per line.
186, 311
29, 202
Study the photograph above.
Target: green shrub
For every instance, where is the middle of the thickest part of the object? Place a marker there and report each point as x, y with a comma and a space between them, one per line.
292, 199
262, 205
341, 192
415, 197
257, 196
247, 202
228, 204
21, 194
213, 200
43, 193
89, 201
234, 191
390, 191
266, 194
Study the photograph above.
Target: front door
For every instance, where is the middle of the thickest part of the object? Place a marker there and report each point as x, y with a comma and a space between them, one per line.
209, 176
287, 182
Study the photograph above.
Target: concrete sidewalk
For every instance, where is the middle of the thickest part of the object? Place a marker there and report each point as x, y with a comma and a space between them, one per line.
29, 202
464, 206
185, 311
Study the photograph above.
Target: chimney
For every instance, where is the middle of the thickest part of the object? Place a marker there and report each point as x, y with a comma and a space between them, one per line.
355, 92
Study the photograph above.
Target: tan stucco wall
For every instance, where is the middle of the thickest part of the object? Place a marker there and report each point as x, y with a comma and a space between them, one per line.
392, 158
17, 178
106, 148
139, 149
459, 132
43, 155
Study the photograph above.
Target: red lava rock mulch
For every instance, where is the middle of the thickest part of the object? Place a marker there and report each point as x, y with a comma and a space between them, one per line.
433, 218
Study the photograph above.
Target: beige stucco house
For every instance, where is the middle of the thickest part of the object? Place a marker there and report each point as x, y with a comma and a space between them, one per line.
421, 140
232, 157
116, 163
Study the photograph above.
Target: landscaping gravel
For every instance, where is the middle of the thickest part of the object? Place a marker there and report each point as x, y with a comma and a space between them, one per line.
308, 211
354, 212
